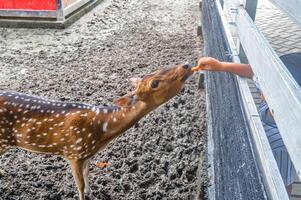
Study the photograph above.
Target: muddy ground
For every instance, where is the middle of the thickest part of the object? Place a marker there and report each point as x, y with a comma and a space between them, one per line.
91, 62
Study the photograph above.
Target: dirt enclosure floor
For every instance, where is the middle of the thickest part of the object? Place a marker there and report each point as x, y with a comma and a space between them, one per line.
91, 62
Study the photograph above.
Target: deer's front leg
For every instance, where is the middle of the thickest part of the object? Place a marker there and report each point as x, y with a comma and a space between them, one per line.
86, 176
77, 167
2, 172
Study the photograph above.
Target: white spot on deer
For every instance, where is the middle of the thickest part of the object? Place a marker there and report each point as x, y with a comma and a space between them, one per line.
89, 135
84, 115
44, 134
105, 127
105, 111
55, 134
62, 139
114, 119
42, 146
78, 148
78, 140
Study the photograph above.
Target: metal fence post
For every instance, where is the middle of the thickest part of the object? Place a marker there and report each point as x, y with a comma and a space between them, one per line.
60, 10
250, 6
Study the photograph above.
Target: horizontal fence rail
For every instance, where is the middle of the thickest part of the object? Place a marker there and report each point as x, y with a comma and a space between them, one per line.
281, 91
265, 158
28, 13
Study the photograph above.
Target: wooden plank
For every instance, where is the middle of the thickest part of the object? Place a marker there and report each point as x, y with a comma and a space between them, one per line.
74, 6
271, 176
28, 13
290, 7
236, 175
278, 86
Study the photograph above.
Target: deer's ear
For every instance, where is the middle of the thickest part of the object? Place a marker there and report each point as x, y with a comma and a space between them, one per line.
135, 81
122, 101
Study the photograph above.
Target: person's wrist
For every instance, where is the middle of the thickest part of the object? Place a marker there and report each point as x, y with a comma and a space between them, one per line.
222, 66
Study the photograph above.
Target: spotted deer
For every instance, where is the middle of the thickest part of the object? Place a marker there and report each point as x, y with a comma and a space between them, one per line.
77, 131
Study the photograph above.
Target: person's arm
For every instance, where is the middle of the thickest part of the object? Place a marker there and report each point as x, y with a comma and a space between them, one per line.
211, 64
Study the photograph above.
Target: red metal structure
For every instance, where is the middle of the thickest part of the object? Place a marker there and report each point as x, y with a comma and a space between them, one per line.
43, 13
27, 5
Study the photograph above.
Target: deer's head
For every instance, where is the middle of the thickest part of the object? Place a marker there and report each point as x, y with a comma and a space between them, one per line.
158, 87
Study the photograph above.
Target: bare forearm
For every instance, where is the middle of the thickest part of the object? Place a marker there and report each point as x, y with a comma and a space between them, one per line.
244, 70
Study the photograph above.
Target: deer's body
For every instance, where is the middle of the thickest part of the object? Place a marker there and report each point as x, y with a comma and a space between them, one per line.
78, 131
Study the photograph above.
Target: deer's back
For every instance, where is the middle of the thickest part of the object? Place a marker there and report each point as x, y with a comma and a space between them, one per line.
41, 125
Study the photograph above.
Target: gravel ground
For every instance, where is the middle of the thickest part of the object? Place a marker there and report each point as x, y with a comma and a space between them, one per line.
91, 62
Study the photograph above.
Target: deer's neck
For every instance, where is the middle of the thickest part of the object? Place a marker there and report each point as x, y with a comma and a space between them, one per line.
118, 121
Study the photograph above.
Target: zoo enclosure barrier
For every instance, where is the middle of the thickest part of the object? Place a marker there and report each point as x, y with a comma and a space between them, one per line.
281, 91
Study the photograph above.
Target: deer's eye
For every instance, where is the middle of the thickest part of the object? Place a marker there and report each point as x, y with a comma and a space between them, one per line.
155, 84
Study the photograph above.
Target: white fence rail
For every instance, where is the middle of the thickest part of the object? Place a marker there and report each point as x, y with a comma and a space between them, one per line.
281, 91
272, 179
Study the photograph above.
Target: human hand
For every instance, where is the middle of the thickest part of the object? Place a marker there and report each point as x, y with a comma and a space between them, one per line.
209, 64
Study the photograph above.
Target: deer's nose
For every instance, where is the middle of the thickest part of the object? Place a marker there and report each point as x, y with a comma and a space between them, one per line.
186, 66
